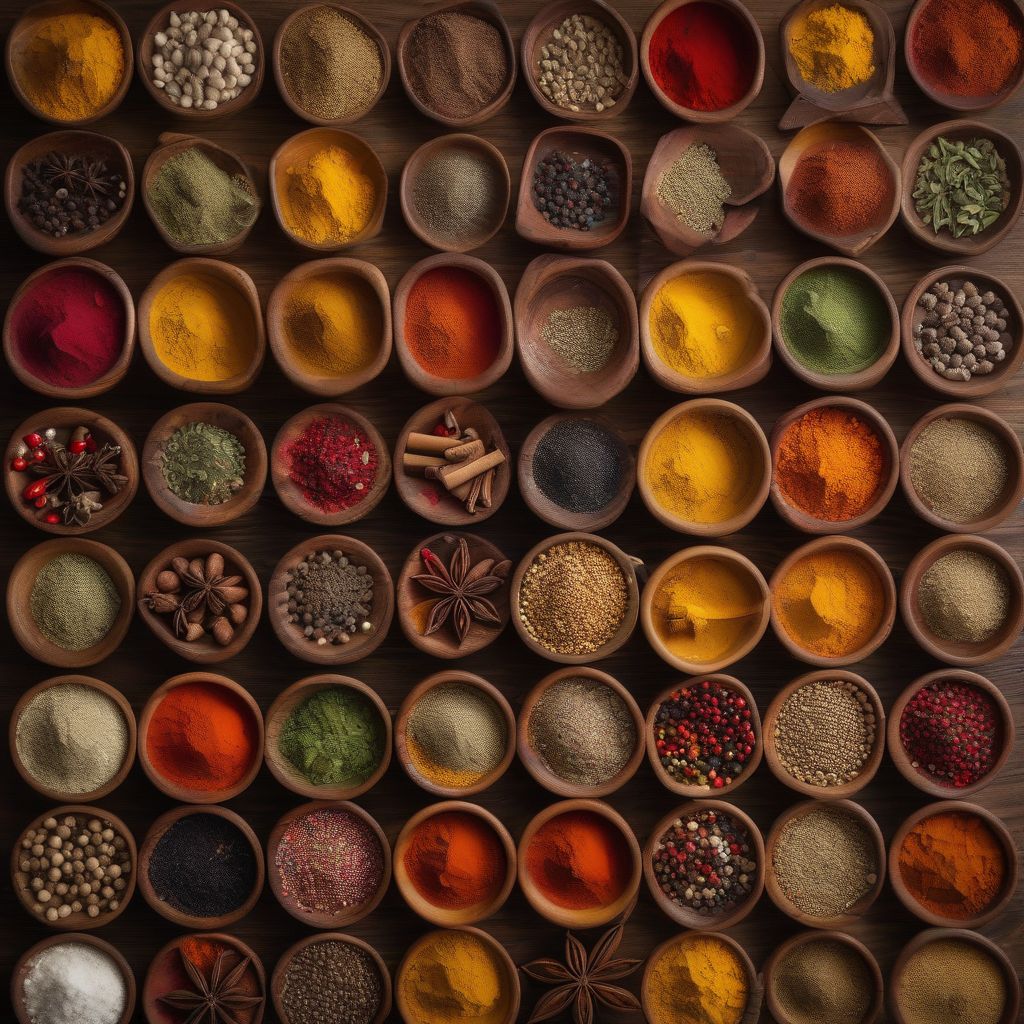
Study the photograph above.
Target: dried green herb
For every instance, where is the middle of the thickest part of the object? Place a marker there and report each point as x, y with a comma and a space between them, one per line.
203, 464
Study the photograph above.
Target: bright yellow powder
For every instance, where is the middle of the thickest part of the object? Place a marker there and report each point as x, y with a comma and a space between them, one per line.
833, 47
697, 980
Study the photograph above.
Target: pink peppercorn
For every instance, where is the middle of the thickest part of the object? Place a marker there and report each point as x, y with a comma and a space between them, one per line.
333, 463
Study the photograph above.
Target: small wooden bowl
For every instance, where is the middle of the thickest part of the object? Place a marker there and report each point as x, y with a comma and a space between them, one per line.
402, 723
684, 916
771, 752
144, 57
99, 686
411, 595
446, 917
78, 921
962, 654
320, 918
976, 387
837, 131
485, 11
291, 494
115, 374
864, 379
759, 449
591, 917
782, 901
162, 907
226, 274
19, 593
747, 165
1002, 835
686, 113
281, 710
903, 761
429, 499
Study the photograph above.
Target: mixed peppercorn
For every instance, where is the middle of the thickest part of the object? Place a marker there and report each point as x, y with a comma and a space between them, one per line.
571, 193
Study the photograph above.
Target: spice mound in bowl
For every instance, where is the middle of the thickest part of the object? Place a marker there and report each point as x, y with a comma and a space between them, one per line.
330, 980
575, 192
823, 979
330, 598
202, 463
964, 597
74, 602
833, 48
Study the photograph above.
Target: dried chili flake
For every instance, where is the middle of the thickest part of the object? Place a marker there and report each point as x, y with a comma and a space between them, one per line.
333, 463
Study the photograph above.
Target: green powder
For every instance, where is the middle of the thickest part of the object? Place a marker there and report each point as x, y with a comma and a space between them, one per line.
74, 601
834, 320
203, 464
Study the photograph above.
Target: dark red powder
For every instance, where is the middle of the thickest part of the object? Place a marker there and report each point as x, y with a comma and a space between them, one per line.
333, 463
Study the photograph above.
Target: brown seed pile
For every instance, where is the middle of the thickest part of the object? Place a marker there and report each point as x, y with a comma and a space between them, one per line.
330, 597
331, 980
584, 336
951, 981
823, 980
695, 190
964, 597
581, 65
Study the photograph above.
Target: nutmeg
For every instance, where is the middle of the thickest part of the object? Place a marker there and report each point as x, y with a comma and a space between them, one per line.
168, 582
223, 631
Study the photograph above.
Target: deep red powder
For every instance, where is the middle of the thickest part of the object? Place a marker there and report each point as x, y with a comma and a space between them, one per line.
333, 463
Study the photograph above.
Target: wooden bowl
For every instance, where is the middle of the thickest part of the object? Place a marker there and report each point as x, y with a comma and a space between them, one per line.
903, 761
402, 722
760, 450
226, 274
144, 57
319, 918
976, 387
1002, 835
962, 654
485, 11
687, 113
844, 790
287, 702
19, 593
746, 164
446, 917
861, 380
20, 36
591, 917
291, 494
115, 374
78, 921
411, 596
118, 698
837, 131
685, 917
162, 907
856, 910
430, 500
228, 418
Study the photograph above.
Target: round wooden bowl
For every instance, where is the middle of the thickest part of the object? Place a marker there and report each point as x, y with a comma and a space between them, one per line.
760, 450
902, 760
226, 274
429, 499
627, 566
228, 418
864, 379
976, 387
958, 653
411, 595
278, 66
21, 34
591, 917
771, 753
163, 908
277, 981
726, 555
685, 917
885, 580
67, 418
333, 385
291, 494
78, 921
686, 113
361, 644
837, 131
782, 901
485, 11
98, 685
19, 593
115, 374
319, 918
281, 710
144, 56
1002, 835
21, 970
301, 148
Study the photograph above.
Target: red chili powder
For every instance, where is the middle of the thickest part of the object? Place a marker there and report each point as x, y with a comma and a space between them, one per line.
703, 56
68, 327
333, 463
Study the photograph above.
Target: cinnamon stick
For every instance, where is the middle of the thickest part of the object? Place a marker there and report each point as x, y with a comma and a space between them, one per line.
454, 474
412, 461
466, 452
430, 442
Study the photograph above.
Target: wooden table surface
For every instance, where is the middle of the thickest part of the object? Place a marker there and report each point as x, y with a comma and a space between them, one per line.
768, 251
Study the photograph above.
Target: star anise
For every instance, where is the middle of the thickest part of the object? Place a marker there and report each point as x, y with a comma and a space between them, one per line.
71, 477
216, 1000
76, 173
462, 586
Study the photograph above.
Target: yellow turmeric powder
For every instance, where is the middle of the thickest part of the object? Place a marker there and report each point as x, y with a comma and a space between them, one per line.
699, 979
833, 48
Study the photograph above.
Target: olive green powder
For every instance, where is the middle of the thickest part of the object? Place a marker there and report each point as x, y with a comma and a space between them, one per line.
203, 464
951, 981
823, 980
74, 601
964, 597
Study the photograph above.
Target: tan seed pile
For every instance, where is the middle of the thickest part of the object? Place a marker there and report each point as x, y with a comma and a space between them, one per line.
584, 336
694, 189
581, 65
457, 194
952, 981
964, 597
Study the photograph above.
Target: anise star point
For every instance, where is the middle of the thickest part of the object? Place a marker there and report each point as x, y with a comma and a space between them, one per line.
218, 999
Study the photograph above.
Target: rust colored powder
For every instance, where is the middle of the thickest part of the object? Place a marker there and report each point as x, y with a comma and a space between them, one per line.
202, 953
